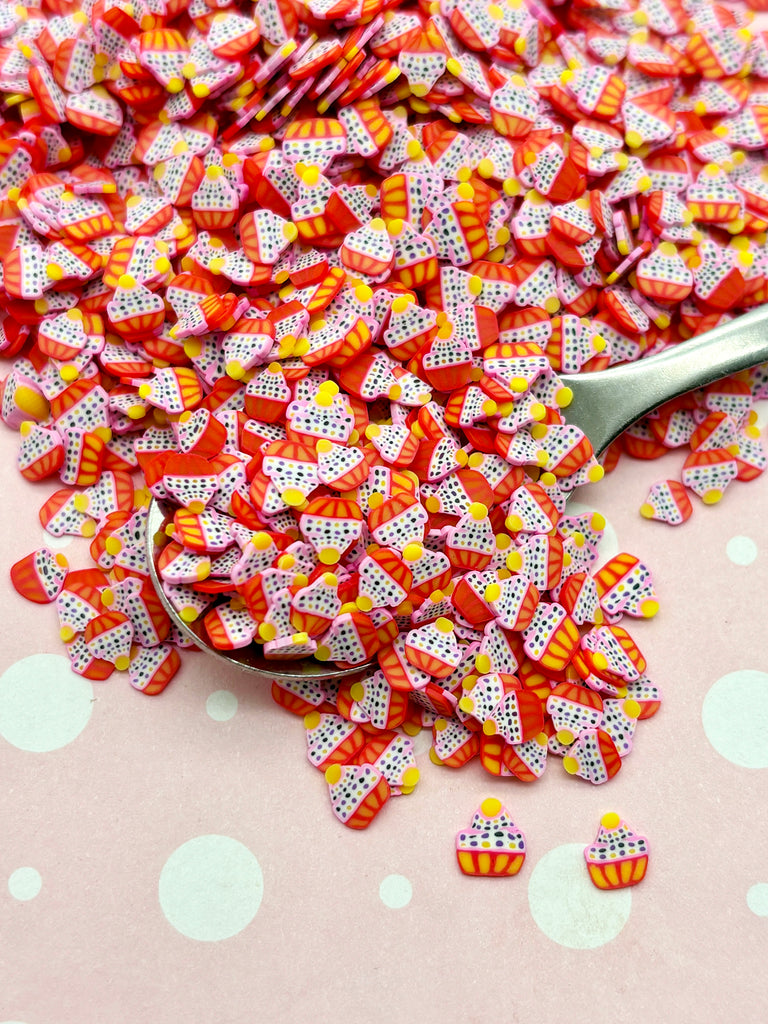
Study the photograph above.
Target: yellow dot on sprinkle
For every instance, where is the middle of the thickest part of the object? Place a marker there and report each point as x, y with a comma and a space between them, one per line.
414, 149
633, 139
610, 820
632, 709
599, 661
539, 431
267, 632
293, 497
514, 561
328, 556
552, 304
443, 625
649, 607
490, 807
188, 614
514, 523
67, 633
571, 765
511, 187
412, 552
595, 474
333, 774
126, 282
492, 592
475, 285
483, 664
465, 191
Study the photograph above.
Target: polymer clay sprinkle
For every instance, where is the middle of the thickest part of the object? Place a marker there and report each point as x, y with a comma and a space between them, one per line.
493, 846
308, 273
618, 857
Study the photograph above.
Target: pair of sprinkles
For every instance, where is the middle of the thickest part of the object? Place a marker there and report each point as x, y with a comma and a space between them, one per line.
308, 273
493, 846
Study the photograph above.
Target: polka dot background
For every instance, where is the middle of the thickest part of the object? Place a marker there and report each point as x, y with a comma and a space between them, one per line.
175, 858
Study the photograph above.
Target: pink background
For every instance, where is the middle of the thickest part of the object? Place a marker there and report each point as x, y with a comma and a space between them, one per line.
99, 817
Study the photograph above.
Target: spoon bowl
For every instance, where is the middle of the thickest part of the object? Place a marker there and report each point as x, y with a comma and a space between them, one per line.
250, 658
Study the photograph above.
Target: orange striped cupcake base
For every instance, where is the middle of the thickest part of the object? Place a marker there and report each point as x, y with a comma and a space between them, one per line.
618, 858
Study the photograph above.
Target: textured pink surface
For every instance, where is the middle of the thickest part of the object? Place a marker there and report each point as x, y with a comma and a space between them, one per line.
99, 817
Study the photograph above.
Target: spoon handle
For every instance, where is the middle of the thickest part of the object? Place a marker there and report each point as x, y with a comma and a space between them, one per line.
606, 402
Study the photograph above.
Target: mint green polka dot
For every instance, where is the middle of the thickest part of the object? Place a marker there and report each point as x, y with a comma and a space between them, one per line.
44, 705
735, 717
221, 705
25, 884
395, 892
568, 908
741, 550
757, 899
210, 888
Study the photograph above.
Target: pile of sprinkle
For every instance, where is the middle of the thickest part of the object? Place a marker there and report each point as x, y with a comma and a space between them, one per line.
307, 272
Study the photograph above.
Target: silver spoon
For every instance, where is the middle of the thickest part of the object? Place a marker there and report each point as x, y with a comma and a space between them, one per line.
604, 404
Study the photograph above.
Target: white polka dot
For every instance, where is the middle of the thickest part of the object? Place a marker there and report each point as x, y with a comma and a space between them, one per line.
44, 705
210, 888
757, 899
395, 892
25, 884
761, 408
221, 705
566, 905
735, 717
55, 543
608, 547
741, 550
422, 742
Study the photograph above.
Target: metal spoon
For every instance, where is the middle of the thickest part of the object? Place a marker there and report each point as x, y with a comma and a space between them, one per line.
604, 404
